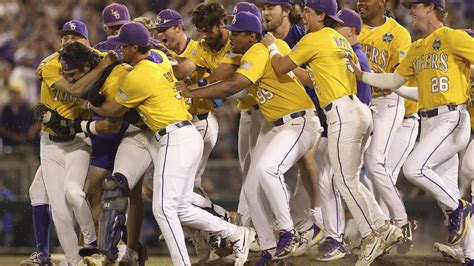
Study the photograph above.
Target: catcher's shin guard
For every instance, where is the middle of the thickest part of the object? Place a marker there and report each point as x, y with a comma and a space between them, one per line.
112, 218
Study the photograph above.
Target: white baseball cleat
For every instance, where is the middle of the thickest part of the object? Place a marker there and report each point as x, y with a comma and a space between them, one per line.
390, 235
309, 238
454, 252
371, 249
241, 244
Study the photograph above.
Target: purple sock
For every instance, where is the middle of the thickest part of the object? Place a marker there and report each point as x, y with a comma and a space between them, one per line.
42, 225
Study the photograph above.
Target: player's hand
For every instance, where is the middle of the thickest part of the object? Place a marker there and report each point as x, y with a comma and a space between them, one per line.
377, 69
51, 119
268, 39
39, 69
108, 59
355, 68
183, 89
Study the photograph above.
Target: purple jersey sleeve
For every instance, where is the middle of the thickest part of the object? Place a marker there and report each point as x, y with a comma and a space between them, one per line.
108, 46
364, 92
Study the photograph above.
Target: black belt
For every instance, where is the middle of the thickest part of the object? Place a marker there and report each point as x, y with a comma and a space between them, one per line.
280, 121
256, 107
202, 116
181, 124
409, 116
435, 112
328, 107
61, 138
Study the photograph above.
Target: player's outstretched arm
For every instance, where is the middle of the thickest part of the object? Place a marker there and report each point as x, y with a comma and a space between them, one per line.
390, 81
280, 63
221, 89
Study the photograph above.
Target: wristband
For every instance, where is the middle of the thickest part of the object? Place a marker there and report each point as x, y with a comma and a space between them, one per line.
273, 50
89, 127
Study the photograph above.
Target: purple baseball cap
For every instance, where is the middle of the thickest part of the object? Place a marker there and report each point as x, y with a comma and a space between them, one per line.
168, 18
74, 27
350, 18
245, 21
115, 14
329, 7
440, 3
132, 33
247, 7
287, 3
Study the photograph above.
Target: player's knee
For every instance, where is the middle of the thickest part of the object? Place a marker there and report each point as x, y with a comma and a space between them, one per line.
74, 194
163, 211
411, 170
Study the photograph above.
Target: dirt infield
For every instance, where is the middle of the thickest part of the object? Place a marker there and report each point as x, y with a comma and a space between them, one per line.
389, 260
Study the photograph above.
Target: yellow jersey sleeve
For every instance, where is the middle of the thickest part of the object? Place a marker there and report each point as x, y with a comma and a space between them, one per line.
114, 81
462, 45
251, 65
304, 50
51, 72
277, 95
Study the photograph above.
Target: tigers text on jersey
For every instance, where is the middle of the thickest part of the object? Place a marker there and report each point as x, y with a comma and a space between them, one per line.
276, 95
385, 46
440, 63
326, 54
149, 88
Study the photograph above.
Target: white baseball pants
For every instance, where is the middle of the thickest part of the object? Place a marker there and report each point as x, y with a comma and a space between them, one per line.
442, 137
64, 166
331, 203
278, 148
176, 156
38, 194
387, 120
349, 127
209, 130
250, 126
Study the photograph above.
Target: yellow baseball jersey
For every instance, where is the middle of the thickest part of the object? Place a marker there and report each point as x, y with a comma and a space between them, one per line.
440, 63
149, 89
209, 60
62, 102
326, 54
196, 105
115, 80
276, 95
385, 46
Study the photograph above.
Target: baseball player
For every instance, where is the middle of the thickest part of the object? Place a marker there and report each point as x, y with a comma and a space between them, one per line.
333, 247
442, 73
170, 28
176, 149
326, 53
279, 18
104, 148
65, 160
385, 42
251, 118
287, 135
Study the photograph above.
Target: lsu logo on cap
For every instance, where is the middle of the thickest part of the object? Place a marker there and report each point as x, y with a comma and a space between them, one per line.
72, 25
115, 13
234, 20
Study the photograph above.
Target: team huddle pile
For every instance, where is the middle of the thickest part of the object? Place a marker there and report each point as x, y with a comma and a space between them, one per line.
345, 91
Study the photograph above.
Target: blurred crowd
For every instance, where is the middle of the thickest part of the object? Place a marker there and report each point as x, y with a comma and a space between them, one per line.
28, 33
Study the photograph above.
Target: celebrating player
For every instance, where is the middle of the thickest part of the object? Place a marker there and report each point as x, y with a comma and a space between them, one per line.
442, 74
327, 53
